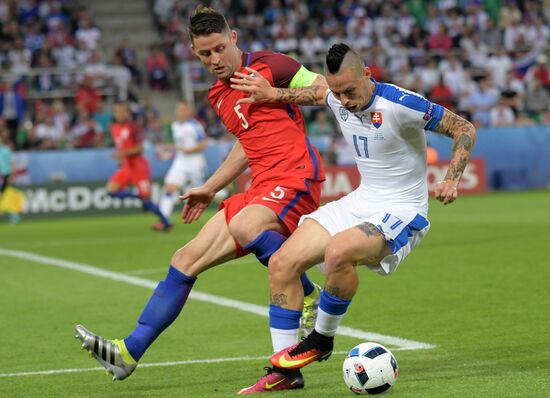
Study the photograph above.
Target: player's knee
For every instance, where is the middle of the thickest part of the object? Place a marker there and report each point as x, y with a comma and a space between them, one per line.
283, 269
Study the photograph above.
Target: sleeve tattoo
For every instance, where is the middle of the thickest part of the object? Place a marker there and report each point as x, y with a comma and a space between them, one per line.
312, 95
463, 134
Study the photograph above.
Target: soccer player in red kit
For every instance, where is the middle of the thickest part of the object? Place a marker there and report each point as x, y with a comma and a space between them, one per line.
286, 184
134, 167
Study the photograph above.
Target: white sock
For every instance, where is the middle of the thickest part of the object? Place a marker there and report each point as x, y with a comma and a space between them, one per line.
282, 338
326, 323
167, 204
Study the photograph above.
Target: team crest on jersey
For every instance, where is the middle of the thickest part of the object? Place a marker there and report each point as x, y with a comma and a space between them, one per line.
376, 119
344, 114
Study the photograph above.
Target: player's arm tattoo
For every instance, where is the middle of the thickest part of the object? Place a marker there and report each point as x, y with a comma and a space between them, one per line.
369, 229
278, 299
312, 95
463, 134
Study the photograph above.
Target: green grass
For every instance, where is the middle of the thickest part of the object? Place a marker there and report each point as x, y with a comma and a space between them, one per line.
477, 288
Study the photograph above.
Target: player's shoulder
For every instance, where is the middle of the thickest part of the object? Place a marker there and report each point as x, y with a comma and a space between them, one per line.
401, 97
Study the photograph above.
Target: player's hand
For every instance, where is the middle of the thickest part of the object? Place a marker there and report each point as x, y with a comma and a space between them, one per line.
255, 84
198, 200
446, 191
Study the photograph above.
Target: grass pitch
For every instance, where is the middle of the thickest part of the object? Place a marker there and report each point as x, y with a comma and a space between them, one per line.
476, 288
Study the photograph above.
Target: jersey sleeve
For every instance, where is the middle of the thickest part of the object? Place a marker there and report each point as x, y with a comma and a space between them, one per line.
199, 131
418, 112
283, 69
137, 135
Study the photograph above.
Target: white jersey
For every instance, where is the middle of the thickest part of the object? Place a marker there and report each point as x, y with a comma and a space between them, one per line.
187, 167
389, 144
188, 135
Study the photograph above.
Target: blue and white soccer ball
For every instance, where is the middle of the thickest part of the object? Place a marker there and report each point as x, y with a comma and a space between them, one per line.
370, 368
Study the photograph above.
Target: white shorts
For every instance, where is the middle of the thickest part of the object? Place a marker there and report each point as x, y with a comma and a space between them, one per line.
403, 227
186, 171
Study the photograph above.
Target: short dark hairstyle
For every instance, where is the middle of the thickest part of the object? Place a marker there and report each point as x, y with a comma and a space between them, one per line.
205, 21
335, 56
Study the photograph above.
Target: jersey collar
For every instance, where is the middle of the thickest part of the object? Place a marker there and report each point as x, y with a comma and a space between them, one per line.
375, 92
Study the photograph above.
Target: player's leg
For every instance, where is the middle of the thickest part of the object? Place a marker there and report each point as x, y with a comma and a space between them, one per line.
117, 184
174, 179
305, 247
141, 179
258, 229
212, 245
363, 244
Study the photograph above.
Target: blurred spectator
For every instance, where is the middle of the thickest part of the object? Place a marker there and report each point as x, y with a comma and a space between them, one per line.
480, 102
27, 139
428, 74
452, 71
322, 126
536, 100
129, 59
311, 45
87, 32
60, 116
86, 132
442, 94
540, 71
152, 128
44, 80
20, 57
214, 127
51, 136
96, 69
498, 64
12, 107
88, 96
157, 69
440, 42
501, 115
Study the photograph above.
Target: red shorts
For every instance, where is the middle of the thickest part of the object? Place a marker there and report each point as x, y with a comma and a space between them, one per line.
289, 199
137, 175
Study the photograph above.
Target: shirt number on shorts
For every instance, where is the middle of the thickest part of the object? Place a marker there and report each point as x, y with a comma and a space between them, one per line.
241, 116
277, 193
364, 144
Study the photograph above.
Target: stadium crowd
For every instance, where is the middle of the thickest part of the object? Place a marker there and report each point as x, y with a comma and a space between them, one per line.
484, 59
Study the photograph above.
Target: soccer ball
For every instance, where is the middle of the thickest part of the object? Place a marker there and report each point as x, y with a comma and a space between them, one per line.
369, 368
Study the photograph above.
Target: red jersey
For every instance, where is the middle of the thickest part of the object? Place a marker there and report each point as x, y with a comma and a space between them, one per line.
125, 136
273, 136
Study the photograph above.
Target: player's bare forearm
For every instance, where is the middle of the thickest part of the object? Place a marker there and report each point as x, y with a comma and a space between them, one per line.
232, 167
463, 134
312, 95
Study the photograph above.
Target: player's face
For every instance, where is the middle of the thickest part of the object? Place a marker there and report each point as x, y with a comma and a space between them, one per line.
351, 88
120, 113
183, 111
219, 53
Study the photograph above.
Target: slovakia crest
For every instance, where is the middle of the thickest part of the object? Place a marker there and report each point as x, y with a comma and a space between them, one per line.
376, 119
344, 114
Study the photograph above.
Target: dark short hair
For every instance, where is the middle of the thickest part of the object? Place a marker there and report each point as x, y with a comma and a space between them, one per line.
335, 56
205, 20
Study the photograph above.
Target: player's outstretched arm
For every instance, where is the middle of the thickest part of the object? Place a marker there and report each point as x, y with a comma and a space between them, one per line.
260, 90
463, 134
199, 198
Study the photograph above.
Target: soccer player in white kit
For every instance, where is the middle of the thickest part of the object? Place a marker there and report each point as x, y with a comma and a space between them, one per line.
379, 223
188, 168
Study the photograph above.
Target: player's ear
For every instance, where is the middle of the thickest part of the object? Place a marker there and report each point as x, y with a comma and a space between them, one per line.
367, 72
234, 37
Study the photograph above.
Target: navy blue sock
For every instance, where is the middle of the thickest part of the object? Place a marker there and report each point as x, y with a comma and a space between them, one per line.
123, 194
162, 309
267, 243
153, 208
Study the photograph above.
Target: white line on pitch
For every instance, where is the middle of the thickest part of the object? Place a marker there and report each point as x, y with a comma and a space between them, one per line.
148, 365
209, 298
